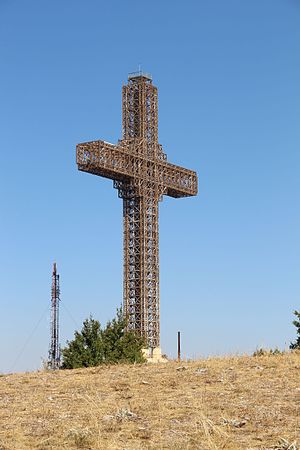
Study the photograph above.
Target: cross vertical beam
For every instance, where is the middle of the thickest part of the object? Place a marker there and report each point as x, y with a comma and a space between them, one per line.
141, 266
140, 210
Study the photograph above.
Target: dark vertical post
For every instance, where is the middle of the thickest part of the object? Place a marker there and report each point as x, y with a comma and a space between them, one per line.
178, 346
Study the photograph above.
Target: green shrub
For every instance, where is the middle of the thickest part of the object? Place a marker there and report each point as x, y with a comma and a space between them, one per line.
265, 352
296, 345
94, 346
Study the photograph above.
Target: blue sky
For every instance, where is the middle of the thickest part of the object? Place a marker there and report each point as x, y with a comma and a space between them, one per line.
229, 107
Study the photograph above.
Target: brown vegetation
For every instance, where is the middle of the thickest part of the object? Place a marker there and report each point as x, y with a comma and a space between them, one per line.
219, 403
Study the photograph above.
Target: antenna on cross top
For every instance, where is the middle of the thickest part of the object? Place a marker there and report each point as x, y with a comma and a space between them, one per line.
140, 74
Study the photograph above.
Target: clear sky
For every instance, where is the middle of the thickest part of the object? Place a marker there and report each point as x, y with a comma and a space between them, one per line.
228, 76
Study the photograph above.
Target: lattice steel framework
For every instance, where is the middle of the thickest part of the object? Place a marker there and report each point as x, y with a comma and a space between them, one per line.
142, 175
54, 352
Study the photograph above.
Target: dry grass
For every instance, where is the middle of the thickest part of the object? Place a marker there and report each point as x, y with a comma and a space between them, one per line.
226, 403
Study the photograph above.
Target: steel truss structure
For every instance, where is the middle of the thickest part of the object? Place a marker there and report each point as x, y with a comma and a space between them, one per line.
54, 352
141, 173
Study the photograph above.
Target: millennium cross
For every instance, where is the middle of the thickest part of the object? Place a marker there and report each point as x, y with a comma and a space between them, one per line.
142, 175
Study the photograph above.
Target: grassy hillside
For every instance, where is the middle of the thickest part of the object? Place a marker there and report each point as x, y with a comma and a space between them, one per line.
229, 403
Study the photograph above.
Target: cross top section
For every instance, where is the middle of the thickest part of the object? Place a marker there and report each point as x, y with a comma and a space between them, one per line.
140, 73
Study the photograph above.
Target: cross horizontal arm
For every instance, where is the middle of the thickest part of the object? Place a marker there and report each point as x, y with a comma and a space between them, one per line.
103, 159
119, 162
179, 182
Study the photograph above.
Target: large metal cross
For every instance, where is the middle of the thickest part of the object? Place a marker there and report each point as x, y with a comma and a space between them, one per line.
142, 175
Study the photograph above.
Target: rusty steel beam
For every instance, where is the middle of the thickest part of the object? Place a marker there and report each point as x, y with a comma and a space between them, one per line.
118, 162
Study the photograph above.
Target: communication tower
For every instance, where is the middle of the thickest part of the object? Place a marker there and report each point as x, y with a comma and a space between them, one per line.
54, 352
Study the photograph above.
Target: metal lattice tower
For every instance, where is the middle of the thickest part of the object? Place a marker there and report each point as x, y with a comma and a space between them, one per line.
54, 352
140, 171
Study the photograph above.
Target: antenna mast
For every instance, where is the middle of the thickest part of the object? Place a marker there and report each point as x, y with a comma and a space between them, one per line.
54, 352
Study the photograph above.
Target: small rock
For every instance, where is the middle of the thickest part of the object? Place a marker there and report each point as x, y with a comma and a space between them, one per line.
181, 368
235, 422
107, 418
126, 414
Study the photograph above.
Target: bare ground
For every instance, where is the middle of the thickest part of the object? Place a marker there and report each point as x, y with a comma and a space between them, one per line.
219, 403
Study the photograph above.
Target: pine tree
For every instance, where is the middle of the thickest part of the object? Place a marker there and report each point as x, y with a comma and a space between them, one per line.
121, 345
94, 346
296, 345
86, 349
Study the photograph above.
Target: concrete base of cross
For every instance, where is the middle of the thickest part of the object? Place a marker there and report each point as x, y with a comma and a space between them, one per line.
154, 355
